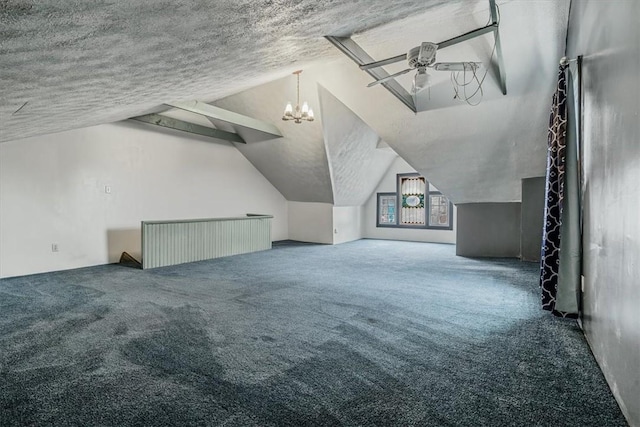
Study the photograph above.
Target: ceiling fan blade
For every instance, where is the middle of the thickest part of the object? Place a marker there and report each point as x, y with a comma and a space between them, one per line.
383, 62
384, 79
457, 66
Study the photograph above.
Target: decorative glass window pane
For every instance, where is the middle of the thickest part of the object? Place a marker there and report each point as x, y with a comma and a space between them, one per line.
387, 209
416, 204
412, 193
439, 211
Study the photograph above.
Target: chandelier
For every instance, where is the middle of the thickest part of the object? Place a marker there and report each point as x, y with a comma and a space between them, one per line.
300, 114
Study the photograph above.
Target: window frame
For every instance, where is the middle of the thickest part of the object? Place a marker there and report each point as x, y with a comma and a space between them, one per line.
399, 196
427, 206
440, 227
378, 197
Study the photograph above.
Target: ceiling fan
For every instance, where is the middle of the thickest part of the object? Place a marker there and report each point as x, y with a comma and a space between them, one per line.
422, 57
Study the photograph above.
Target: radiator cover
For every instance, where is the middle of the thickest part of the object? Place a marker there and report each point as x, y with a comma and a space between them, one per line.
179, 241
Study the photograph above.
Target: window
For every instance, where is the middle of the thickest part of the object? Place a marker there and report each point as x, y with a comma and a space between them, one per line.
439, 210
411, 193
415, 204
387, 209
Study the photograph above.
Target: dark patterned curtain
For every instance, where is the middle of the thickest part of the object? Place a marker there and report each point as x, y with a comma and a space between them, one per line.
554, 198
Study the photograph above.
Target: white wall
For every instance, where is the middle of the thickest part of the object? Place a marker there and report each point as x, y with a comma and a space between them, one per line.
607, 35
347, 223
324, 223
311, 222
388, 185
52, 190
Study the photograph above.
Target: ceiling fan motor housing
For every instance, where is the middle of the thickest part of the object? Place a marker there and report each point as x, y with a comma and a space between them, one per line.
423, 55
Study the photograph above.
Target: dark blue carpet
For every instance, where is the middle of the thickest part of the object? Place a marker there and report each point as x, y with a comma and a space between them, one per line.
364, 333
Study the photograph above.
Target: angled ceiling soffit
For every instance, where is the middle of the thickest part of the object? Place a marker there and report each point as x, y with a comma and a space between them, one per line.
355, 162
295, 164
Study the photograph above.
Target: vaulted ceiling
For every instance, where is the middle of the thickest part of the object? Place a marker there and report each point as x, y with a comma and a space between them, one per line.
68, 64
78, 63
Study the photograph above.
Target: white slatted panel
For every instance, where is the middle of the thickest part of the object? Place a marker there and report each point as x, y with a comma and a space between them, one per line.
177, 242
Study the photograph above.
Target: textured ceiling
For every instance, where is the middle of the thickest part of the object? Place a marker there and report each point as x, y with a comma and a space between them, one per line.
333, 159
355, 163
472, 154
66, 64
297, 163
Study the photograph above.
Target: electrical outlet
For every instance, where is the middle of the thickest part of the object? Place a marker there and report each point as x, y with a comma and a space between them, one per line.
335, 231
107, 189
54, 247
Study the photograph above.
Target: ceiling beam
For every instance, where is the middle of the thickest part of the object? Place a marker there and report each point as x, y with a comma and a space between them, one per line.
374, 68
350, 48
469, 35
444, 44
171, 123
502, 75
266, 130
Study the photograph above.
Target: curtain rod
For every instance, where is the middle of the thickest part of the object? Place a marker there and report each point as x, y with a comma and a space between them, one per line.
565, 61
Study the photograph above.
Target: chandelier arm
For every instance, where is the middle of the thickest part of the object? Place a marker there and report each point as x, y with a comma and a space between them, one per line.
298, 114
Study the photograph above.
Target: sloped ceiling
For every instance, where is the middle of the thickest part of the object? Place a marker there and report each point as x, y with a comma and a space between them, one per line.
355, 162
297, 163
66, 64
472, 154
333, 159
